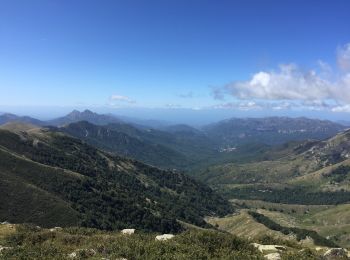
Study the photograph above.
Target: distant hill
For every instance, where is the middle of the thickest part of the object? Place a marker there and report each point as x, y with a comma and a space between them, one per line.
344, 122
86, 115
307, 172
181, 128
50, 179
8, 118
270, 130
127, 141
195, 145
165, 149
18, 126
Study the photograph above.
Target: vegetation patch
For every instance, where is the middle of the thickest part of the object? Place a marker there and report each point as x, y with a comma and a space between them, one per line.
287, 195
299, 232
33, 243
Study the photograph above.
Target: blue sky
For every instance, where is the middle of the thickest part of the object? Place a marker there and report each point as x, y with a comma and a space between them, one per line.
240, 56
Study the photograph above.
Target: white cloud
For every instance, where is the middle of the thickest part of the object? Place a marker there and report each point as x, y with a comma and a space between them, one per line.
249, 105
317, 89
344, 108
343, 57
120, 98
283, 106
288, 83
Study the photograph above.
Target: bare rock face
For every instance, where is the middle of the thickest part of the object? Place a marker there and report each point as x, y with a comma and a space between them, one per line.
273, 256
336, 253
2, 248
128, 231
82, 253
262, 248
164, 237
55, 229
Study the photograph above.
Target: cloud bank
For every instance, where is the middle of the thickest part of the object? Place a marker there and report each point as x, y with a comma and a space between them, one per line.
291, 86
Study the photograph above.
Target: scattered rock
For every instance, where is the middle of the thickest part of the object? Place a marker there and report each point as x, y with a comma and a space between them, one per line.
318, 248
335, 253
273, 256
55, 229
262, 248
82, 253
73, 255
2, 248
164, 237
128, 231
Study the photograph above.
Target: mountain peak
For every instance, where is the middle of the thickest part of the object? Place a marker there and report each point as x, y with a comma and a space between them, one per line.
87, 111
86, 115
76, 114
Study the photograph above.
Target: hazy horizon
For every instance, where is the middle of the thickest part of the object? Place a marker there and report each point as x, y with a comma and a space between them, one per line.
169, 116
181, 61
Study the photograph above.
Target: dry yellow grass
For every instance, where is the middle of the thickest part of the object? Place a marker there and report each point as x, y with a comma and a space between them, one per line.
243, 225
6, 229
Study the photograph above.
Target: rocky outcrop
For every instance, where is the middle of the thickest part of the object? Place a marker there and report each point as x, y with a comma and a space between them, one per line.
128, 231
336, 253
164, 237
82, 253
273, 256
273, 248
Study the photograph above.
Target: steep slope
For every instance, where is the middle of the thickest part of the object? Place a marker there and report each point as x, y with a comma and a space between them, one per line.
119, 141
195, 145
270, 130
86, 115
59, 175
176, 149
24, 201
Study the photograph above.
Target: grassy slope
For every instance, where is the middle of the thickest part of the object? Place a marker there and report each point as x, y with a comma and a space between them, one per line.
243, 225
327, 220
32, 243
308, 171
23, 201
333, 222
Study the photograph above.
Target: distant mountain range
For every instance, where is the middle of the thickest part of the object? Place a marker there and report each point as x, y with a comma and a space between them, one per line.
86, 115
182, 146
270, 130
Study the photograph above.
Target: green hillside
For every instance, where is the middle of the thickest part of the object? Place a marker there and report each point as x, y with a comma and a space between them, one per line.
178, 148
63, 181
123, 141
311, 172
